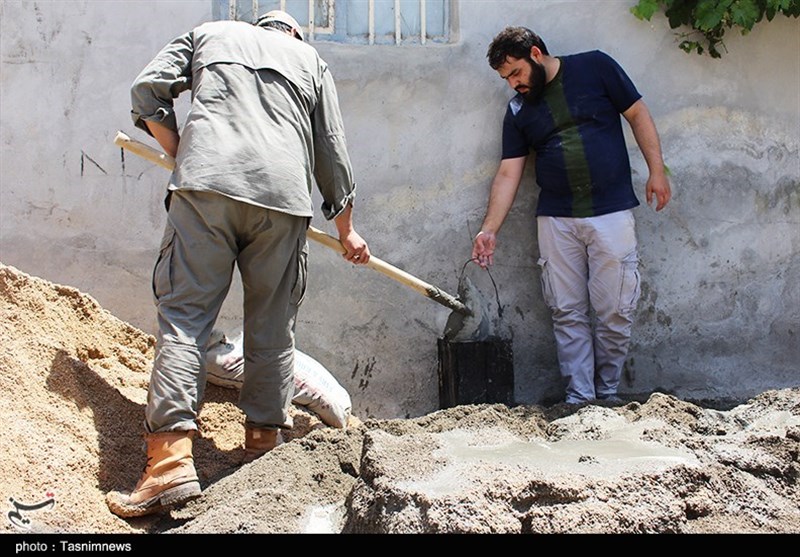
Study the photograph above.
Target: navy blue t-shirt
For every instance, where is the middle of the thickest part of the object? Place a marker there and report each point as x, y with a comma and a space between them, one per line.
575, 131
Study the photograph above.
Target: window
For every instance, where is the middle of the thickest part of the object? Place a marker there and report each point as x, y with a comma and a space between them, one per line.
355, 21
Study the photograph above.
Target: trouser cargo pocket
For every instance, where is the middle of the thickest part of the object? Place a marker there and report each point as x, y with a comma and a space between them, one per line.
547, 285
630, 285
301, 282
162, 273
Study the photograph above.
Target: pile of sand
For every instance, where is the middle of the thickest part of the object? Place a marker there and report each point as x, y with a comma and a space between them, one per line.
73, 382
73, 385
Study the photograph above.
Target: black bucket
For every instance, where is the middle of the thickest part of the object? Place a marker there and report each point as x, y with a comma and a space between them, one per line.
475, 372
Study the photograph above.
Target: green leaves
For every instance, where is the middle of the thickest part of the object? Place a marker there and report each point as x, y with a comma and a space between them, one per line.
785, 6
745, 14
646, 8
710, 19
710, 13
679, 12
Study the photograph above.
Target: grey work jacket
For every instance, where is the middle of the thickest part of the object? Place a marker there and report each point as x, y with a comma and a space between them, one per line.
264, 121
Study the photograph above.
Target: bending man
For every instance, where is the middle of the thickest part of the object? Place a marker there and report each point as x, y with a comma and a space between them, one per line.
264, 123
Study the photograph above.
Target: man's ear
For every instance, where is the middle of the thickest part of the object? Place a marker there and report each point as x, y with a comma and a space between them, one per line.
536, 54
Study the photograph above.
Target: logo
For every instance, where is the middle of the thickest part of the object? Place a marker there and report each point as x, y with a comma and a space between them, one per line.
17, 516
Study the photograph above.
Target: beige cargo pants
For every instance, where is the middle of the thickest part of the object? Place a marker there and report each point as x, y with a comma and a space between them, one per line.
590, 281
205, 236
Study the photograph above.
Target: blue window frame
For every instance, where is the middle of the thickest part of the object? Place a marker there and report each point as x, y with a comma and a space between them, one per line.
400, 22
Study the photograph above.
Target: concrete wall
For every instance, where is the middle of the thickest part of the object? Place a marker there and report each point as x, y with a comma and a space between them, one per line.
720, 313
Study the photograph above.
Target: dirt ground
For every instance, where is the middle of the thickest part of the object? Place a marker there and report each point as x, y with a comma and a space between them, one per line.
73, 382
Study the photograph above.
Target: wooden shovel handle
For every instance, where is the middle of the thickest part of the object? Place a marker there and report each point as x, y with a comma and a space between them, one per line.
394, 273
162, 159
145, 151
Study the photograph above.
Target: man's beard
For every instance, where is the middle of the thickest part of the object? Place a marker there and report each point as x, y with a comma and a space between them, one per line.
536, 83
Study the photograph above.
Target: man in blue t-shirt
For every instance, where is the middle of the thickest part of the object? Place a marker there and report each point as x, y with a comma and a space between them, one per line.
567, 112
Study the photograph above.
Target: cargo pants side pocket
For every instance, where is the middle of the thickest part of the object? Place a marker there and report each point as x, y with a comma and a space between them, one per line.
547, 286
301, 282
162, 272
630, 285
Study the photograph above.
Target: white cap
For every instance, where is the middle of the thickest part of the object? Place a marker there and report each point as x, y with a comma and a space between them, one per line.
282, 17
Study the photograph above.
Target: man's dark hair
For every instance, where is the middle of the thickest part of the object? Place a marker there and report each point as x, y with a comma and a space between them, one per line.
515, 42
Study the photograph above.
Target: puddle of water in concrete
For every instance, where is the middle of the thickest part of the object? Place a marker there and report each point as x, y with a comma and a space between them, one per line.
773, 422
620, 452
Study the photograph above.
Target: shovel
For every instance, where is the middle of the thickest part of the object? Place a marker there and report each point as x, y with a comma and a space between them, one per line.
467, 317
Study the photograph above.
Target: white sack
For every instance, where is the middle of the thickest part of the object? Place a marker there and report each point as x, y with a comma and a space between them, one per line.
315, 388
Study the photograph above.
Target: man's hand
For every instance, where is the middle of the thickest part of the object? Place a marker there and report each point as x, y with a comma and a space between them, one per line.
644, 130
501, 197
357, 249
483, 249
658, 186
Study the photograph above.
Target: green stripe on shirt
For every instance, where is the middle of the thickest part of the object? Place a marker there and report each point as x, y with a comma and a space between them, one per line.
572, 149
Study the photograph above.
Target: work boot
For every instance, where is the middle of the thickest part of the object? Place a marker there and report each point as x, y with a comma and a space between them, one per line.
259, 441
169, 477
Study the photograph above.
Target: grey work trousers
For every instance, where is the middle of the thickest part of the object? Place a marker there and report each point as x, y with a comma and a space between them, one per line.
205, 236
590, 264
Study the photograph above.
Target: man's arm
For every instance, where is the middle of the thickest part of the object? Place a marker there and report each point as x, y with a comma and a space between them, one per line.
333, 171
501, 198
153, 91
166, 137
644, 130
357, 250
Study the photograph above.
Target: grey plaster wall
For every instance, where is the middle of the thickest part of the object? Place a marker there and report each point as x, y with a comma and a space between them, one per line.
719, 317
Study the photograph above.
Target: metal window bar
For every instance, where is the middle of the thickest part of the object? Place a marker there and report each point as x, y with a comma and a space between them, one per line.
371, 21
397, 33
422, 21
329, 25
